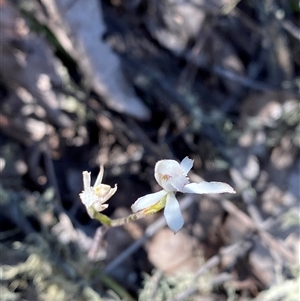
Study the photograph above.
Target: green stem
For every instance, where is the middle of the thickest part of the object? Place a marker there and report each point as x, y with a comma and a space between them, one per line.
105, 220
116, 287
102, 218
127, 219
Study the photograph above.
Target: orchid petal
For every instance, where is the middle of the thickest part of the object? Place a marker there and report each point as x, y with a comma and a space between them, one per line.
208, 187
86, 180
88, 197
164, 170
178, 183
100, 176
186, 165
172, 213
148, 200
171, 166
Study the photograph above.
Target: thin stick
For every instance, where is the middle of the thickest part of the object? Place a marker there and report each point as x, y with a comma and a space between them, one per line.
267, 237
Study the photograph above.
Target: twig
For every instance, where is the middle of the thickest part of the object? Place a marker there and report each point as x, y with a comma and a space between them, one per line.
16, 214
68, 219
252, 209
237, 250
243, 80
291, 28
216, 281
158, 151
97, 241
50, 169
154, 284
229, 6
268, 238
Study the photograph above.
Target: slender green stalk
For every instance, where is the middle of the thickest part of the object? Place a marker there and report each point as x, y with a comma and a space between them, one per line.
104, 219
127, 219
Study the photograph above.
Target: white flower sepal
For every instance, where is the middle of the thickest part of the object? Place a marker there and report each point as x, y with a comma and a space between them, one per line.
94, 197
172, 177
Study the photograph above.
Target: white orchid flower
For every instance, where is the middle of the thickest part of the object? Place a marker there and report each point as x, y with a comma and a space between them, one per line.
94, 197
172, 177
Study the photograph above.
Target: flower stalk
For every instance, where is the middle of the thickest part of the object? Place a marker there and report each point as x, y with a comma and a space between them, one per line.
105, 220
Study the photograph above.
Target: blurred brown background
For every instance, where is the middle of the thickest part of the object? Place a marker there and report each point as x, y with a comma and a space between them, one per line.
125, 84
